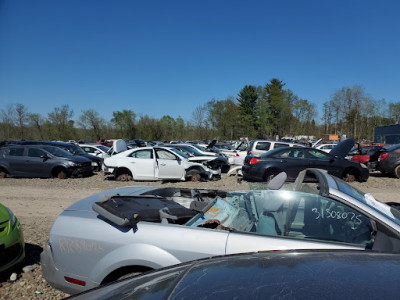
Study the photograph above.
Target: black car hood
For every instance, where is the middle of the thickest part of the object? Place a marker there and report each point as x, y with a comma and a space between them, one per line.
212, 144
91, 157
77, 158
343, 148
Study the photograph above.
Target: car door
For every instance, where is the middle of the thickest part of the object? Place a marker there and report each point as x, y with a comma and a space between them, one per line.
168, 165
322, 160
292, 161
142, 164
39, 163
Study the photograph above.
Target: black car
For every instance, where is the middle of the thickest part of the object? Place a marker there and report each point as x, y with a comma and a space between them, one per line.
70, 147
389, 160
213, 162
292, 160
41, 161
307, 274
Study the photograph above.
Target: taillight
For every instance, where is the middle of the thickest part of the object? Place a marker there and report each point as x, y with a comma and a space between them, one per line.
383, 156
253, 161
237, 155
75, 281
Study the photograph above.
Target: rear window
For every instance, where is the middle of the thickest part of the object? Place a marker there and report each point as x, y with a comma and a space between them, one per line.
280, 145
263, 146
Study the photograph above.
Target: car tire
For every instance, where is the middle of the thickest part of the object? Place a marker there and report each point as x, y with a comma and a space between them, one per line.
269, 174
124, 177
349, 176
193, 175
3, 174
397, 171
61, 175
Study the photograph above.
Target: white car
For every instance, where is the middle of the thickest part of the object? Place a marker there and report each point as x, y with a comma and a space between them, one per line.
325, 147
96, 150
155, 163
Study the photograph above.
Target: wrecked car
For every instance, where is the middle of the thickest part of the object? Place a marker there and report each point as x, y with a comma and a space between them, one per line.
156, 163
130, 230
42, 161
211, 161
292, 160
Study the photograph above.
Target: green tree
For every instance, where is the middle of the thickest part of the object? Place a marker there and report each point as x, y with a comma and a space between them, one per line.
60, 119
91, 122
125, 123
247, 99
274, 96
36, 123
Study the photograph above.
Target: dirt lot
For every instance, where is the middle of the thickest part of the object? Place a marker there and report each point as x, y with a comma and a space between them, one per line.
37, 203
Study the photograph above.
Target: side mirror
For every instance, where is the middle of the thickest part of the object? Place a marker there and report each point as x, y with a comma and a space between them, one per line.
45, 157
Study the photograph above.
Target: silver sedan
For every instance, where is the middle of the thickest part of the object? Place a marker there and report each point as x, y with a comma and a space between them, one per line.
130, 230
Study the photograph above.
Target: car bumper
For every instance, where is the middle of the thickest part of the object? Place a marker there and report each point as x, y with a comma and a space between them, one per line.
252, 174
107, 170
81, 171
57, 279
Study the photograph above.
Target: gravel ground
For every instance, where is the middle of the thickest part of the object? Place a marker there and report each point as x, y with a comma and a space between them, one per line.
38, 202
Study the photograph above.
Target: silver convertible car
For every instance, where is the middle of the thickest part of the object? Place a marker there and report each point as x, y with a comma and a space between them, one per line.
129, 230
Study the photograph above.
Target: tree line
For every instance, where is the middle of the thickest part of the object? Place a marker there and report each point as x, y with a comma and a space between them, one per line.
257, 112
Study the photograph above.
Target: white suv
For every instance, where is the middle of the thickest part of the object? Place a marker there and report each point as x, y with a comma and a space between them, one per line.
258, 147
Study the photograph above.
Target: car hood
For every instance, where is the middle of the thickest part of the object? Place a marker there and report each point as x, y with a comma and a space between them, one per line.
78, 158
343, 148
120, 146
212, 144
91, 157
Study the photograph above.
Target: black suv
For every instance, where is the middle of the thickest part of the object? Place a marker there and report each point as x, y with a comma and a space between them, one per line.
42, 161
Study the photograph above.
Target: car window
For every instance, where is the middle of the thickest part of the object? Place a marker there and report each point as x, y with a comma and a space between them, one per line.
315, 154
280, 145
182, 151
88, 149
16, 152
33, 152
76, 150
164, 154
290, 153
144, 154
306, 216
56, 151
288, 214
263, 146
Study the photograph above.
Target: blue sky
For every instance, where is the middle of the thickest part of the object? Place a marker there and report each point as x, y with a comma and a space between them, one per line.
168, 57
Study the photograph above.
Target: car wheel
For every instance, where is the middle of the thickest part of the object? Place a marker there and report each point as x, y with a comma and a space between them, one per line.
124, 177
397, 171
3, 174
349, 176
193, 175
61, 175
269, 174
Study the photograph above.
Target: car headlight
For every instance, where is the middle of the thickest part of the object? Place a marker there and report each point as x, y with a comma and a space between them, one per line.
94, 164
364, 166
72, 164
13, 219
